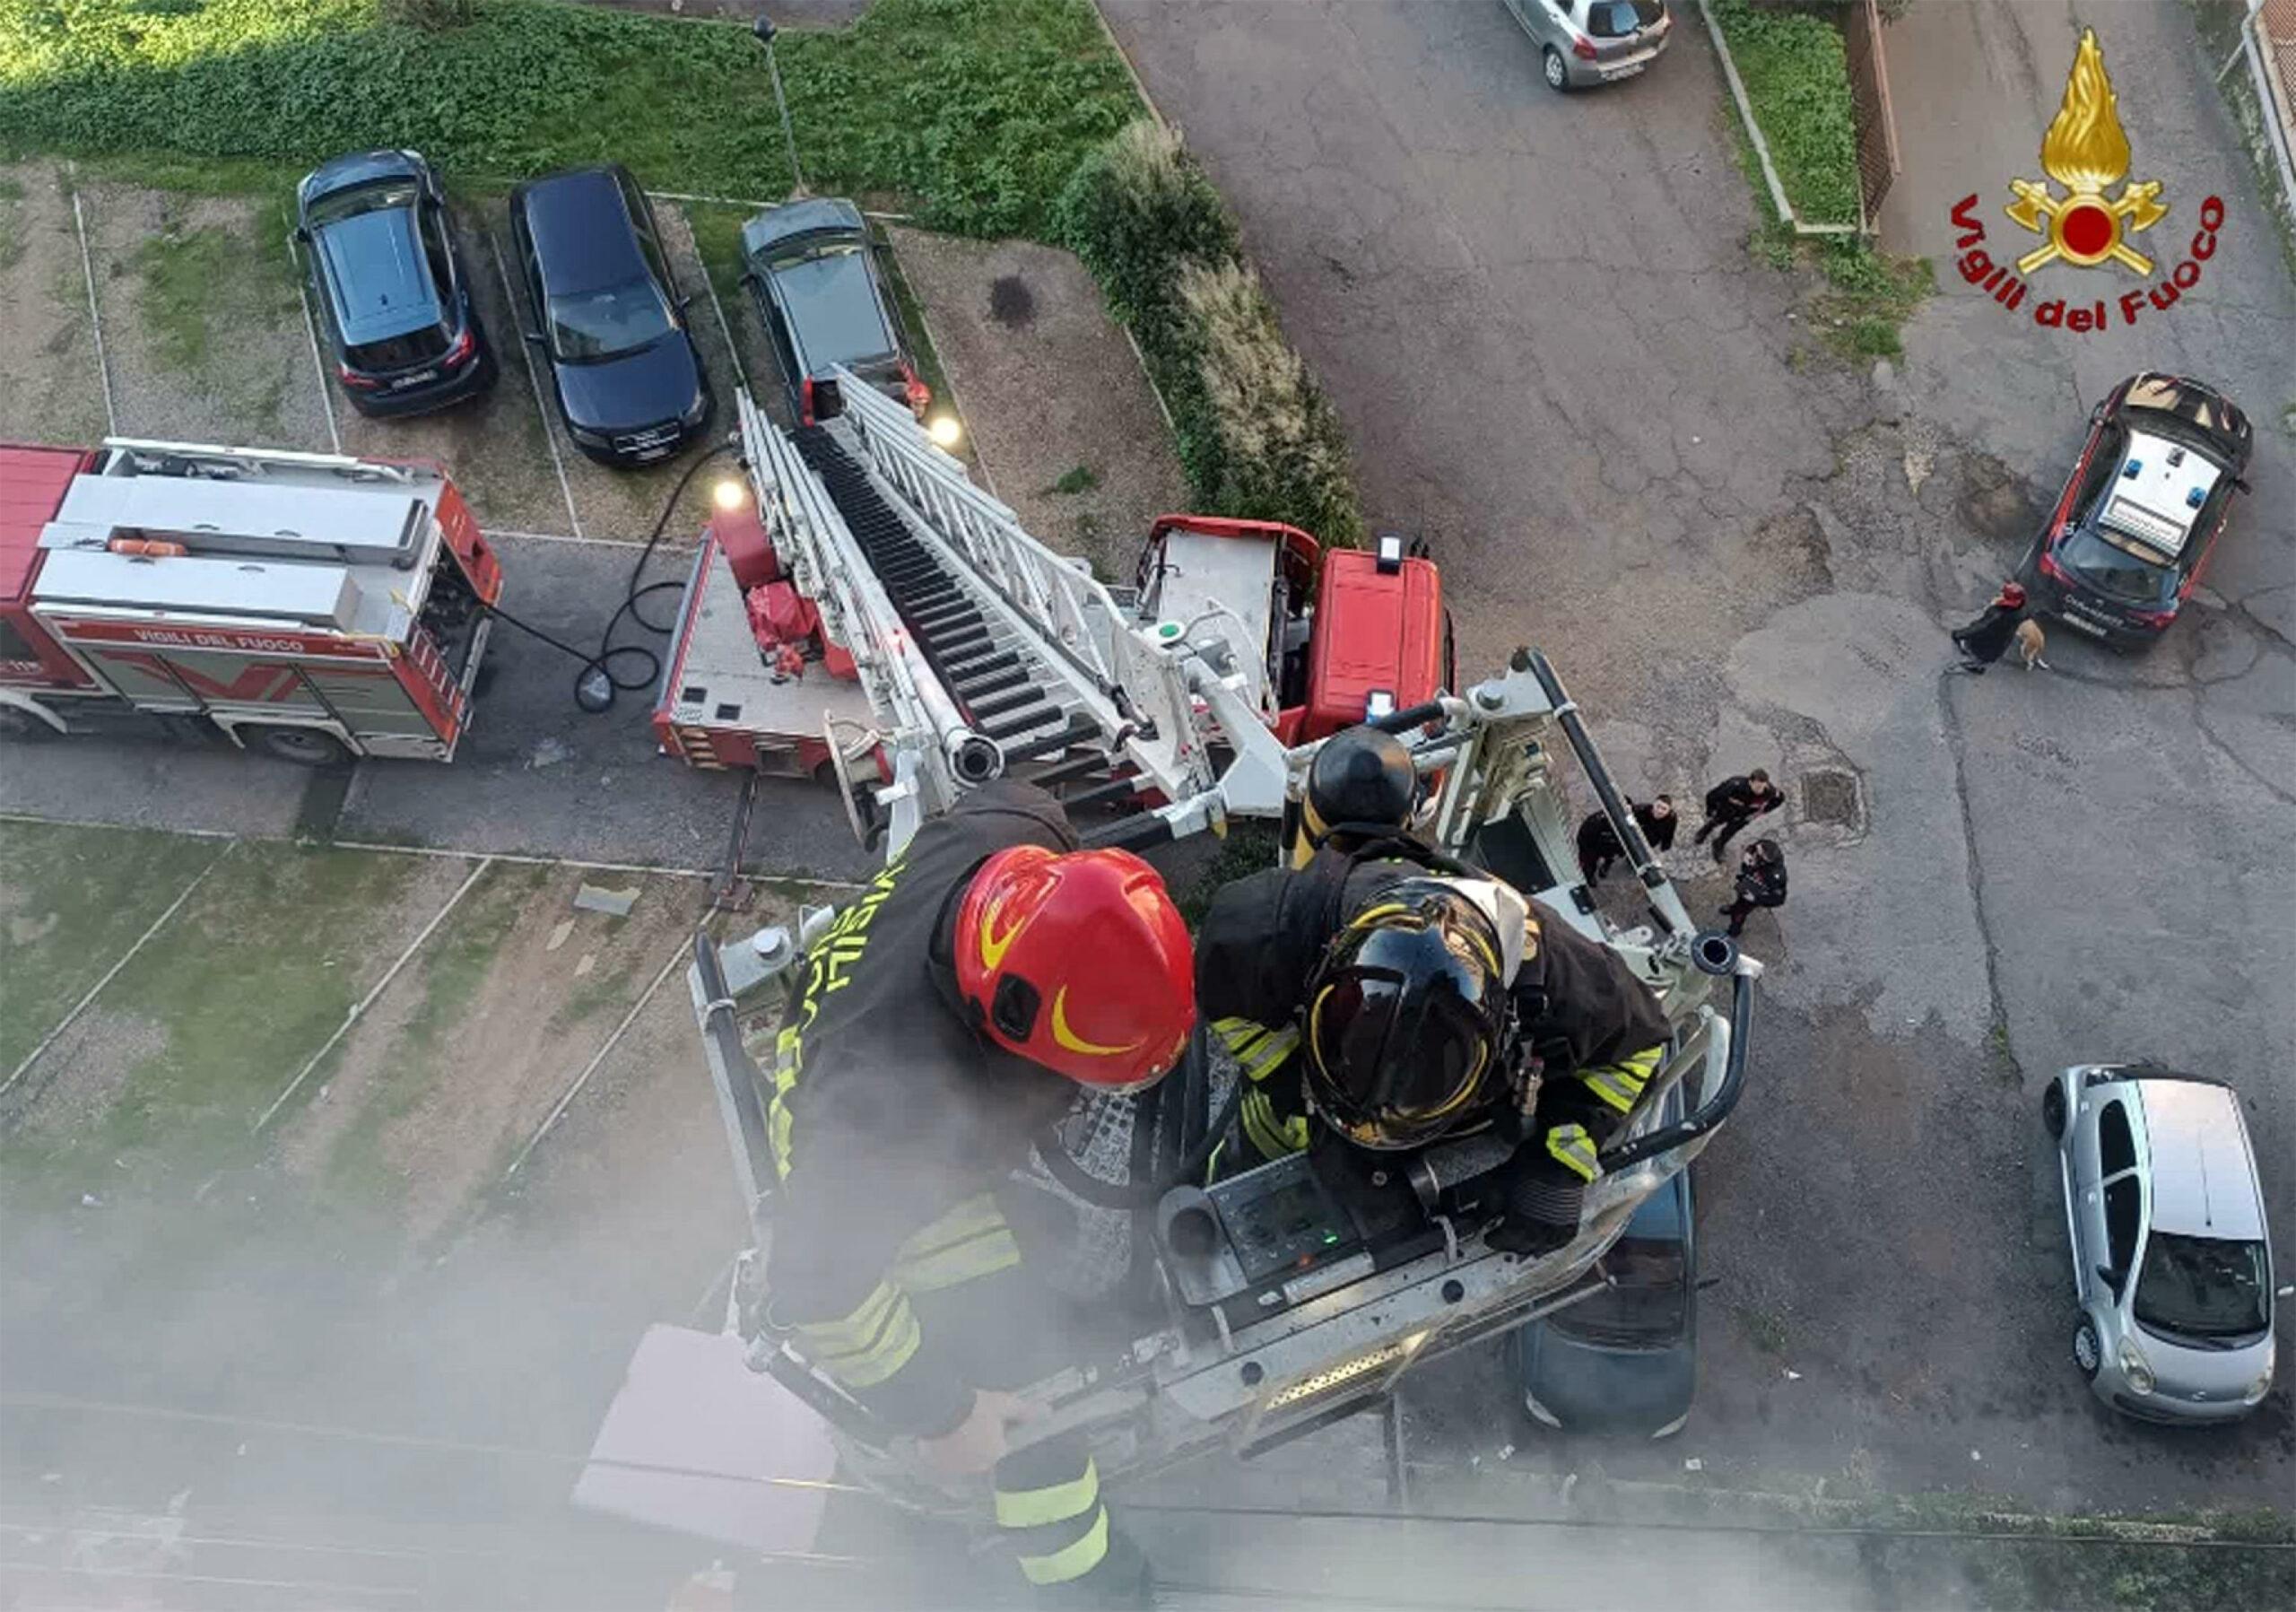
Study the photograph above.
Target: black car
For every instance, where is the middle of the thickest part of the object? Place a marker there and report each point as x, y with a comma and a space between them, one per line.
2142, 509
387, 278
628, 379
814, 274
1625, 1360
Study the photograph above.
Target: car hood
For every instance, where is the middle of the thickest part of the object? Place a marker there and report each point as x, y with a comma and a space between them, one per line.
645, 387
1593, 1388
2202, 1376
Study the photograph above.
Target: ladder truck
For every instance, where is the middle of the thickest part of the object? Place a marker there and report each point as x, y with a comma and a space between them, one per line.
1249, 1311
310, 607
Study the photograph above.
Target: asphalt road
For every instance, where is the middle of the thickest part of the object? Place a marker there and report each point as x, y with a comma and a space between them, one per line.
1560, 365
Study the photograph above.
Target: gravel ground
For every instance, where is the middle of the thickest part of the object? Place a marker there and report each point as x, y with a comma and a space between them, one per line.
196, 353
494, 446
49, 388
1020, 327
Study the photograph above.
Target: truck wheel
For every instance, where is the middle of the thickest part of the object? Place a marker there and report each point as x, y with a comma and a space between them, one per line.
2053, 1109
2088, 1350
18, 724
304, 747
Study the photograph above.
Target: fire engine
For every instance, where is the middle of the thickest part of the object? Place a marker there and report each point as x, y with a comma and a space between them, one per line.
311, 606
953, 647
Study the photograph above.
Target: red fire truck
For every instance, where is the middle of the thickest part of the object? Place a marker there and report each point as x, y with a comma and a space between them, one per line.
310, 605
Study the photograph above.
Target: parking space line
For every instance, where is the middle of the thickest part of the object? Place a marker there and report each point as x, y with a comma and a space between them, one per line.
311, 330
359, 1009
95, 314
534, 377
684, 949
733, 347
660, 548
81, 1006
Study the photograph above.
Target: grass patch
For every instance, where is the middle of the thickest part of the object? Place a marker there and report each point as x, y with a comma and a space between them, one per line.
921, 349
977, 109
1765, 1329
1869, 294
1072, 481
1798, 81
71, 901
259, 968
1249, 847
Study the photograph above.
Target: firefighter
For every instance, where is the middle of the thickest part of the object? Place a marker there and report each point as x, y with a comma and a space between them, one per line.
1373, 1001
956, 1010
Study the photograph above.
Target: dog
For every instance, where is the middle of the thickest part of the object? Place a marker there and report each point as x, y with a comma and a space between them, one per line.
2031, 641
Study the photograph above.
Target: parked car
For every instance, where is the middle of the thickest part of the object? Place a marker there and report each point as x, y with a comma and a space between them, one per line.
1583, 42
2171, 1263
2142, 509
812, 271
1625, 1360
628, 380
387, 276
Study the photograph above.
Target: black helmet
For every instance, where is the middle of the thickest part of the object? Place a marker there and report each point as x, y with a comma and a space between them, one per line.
1404, 1016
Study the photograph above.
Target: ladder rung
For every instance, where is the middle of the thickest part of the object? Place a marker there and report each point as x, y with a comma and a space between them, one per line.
1078, 731
1122, 788
989, 683
1075, 767
1011, 699
1019, 722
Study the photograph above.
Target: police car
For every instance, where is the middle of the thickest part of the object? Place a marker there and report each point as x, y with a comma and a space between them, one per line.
2130, 536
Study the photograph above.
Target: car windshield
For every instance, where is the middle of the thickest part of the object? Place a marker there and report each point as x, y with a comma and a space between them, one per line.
2202, 1287
593, 325
2113, 569
378, 197
1643, 1304
1616, 19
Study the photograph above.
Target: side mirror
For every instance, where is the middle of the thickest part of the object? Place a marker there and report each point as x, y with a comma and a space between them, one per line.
685, 301
533, 336
304, 236
2240, 485
2109, 1276
1706, 1282
2288, 1291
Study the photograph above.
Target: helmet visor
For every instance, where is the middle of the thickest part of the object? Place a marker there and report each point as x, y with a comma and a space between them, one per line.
1396, 1068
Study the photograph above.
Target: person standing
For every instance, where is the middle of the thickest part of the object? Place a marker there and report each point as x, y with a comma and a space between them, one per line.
1735, 802
1598, 841
1761, 882
1983, 640
1658, 822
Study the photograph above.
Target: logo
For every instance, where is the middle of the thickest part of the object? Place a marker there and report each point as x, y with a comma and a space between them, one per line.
994, 945
1074, 1042
2085, 154
2086, 151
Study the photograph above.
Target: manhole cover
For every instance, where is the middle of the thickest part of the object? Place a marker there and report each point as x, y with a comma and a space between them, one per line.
1830, 797
1011, 302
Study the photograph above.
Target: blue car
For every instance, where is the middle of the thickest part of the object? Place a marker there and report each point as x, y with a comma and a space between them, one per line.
1626, 1360
388, 281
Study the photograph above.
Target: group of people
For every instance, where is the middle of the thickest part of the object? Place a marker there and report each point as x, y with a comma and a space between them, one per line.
1375, 997
1760, 879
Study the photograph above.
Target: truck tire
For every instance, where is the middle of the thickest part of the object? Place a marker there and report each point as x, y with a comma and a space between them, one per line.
305, 746
20, 726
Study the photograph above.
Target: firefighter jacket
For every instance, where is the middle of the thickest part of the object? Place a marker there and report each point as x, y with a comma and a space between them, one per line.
1578, 1007
892, 1123
1762, 885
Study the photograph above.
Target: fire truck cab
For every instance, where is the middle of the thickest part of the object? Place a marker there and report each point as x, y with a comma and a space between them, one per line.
311, 606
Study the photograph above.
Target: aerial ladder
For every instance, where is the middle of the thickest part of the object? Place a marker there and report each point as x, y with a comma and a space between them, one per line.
1257, 1308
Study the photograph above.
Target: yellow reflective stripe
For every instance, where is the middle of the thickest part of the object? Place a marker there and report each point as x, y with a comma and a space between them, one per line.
788, 1059
1618, 1093
968, 1242
1033, 1508
1238, 1033
1260, 1127
868, 1346
1270, 1055
1570, 1146
1066, 1566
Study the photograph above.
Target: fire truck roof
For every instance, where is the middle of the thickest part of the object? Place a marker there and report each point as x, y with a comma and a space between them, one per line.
33, 483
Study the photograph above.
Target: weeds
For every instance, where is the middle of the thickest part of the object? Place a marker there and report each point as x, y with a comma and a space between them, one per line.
1765, 1329
1072, 481
1798, 81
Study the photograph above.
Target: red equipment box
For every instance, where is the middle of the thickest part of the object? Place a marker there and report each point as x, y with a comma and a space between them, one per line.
1379, 638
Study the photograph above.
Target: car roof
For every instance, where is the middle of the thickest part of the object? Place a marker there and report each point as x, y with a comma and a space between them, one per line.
2158, 490
381, 276
833, 312
2202, 1176
800, 218
581, 228
357, 167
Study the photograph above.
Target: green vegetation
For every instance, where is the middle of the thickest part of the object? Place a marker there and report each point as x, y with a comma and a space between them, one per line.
1765, 1329
1079, 479
1255, 436
1247, 848
71, 901
979, 110
1798, 81
194, 282
1868, 295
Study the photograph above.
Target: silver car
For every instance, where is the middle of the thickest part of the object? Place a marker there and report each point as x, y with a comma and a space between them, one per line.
1583, 42
2170, 1258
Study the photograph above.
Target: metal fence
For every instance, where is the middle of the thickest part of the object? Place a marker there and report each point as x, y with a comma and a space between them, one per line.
1869, 91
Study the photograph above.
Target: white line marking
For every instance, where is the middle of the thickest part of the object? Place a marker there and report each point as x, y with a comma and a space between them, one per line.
364, 1003
95, 314
81, 1006
664, 547
534, 377
733, 347
311, 330
683, 950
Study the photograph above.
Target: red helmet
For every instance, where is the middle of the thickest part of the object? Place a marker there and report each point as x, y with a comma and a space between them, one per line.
2012, 593
1078, 961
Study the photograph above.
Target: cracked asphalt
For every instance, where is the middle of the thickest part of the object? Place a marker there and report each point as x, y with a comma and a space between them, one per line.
1626, 443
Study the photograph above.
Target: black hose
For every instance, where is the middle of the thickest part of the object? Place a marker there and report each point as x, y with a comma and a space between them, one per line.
1140, 1195
598, 669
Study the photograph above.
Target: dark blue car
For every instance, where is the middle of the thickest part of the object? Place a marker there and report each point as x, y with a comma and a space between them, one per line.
1625, 1360
612, 320
388, 281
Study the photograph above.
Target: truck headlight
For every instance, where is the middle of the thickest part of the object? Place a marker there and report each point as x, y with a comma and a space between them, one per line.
2261, 1386
2134, 1369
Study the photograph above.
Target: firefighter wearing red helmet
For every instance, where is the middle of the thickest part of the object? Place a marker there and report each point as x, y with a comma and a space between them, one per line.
991, 974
